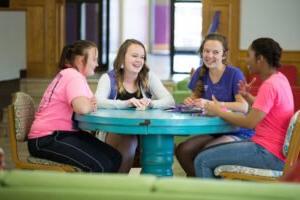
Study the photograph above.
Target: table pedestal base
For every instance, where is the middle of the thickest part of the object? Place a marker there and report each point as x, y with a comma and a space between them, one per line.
157, 154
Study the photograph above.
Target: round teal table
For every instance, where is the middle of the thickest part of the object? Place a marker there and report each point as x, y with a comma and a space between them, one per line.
156, 129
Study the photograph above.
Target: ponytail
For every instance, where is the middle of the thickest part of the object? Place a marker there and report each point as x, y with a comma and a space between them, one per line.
65, 57
69, 52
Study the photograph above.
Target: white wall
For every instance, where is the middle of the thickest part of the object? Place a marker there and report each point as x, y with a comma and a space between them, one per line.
135, 20
114, 40
12, 44
278, 19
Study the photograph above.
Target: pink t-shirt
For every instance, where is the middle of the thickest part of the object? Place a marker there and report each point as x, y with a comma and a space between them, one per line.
274, 98
55, 109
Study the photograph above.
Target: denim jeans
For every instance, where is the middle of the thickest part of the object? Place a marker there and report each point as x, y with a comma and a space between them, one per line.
244, 153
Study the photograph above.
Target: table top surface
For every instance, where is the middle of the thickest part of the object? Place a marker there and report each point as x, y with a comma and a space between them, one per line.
153, 119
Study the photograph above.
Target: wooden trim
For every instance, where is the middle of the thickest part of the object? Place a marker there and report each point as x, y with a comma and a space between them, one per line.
44, 35
293, 56
12, 135
234, 38
294, 147
230, 27
238, 56
229, 22
238, 176
288, 57
13, 9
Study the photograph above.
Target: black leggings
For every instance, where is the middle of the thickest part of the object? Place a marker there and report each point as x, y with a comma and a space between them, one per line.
76, 148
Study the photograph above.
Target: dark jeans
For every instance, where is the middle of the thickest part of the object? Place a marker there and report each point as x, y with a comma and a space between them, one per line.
76, 148
244, 153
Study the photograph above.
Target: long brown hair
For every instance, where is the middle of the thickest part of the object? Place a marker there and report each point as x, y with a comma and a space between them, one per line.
69, 52
199, 89
142, 79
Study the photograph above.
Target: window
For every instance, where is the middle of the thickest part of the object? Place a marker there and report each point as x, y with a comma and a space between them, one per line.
186, 28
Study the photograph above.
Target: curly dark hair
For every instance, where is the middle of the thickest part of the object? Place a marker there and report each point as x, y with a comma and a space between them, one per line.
199, 89
269, 49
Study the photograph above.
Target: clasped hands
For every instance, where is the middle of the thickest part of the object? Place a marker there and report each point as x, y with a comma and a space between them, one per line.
140, 104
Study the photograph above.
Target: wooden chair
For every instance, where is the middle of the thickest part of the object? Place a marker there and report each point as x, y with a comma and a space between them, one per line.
291, 149
20, 117
2, 164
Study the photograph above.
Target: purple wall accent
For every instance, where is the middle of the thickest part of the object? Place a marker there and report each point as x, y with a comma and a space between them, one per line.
161, 24
71, 23
92, 22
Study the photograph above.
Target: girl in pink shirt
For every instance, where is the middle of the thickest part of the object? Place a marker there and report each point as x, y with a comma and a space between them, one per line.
52, 135
270, 113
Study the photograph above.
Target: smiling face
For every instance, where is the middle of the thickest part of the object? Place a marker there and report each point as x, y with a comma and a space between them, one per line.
134, 59
213, 53
88, 67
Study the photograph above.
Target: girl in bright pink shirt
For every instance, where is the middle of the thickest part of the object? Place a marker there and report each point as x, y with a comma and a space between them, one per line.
52, 135
270, 113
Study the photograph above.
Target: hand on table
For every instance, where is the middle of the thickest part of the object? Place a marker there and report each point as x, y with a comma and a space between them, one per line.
93, 103
200, 102
140, 104
213, 108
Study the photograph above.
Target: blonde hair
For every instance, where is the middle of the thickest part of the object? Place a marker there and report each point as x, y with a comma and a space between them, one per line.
142, 79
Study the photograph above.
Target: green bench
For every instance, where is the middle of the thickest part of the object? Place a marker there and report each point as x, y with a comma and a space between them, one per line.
30, 185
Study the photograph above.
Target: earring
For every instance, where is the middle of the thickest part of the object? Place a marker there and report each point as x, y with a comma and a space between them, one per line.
122, 66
